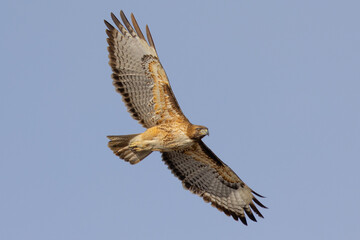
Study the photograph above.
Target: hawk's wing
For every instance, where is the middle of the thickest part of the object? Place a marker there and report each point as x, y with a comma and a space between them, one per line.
138, 74
203, 173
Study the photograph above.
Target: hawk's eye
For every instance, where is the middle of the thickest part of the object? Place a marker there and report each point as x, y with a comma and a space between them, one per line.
201, 130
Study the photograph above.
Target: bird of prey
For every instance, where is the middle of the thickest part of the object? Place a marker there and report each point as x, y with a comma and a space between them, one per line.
141, 80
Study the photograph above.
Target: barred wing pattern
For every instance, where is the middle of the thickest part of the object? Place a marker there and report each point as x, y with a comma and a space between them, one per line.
138, 74
141, 80
204, 174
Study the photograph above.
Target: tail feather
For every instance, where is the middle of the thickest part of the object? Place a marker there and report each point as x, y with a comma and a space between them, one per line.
120, 146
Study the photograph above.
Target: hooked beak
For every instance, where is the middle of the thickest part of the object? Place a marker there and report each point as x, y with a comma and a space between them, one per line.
205, 132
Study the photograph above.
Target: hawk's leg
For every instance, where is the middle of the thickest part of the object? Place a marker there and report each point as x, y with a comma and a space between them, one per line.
138, 145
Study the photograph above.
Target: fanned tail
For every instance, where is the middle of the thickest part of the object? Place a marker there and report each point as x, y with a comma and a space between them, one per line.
120, 146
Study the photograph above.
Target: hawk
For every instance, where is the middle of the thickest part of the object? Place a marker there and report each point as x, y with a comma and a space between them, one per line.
141, 80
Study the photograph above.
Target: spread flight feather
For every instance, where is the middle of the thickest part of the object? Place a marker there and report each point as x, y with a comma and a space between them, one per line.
141, 80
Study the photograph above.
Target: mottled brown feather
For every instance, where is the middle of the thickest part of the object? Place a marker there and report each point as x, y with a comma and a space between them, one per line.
204, 174
138, 74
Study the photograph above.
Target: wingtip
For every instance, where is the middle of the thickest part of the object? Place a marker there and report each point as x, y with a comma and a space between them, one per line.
123, 16
243, 220
149, 37
257, 194
137, 28
250, 215
259, 203
108, 25
254, 208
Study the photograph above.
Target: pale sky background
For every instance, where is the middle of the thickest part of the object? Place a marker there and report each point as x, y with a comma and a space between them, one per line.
277, 83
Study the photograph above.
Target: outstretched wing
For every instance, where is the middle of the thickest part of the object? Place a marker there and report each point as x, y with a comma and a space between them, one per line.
204, 174
138, 74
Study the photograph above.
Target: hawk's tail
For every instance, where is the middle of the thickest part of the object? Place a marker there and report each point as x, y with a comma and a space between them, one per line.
120, 146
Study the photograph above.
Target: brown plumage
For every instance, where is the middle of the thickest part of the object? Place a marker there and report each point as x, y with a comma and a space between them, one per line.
141, 80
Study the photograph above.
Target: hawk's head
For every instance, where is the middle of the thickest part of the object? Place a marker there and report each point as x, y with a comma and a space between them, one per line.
197, 132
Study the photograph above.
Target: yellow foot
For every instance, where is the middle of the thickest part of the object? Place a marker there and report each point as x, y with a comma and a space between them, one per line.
134, 147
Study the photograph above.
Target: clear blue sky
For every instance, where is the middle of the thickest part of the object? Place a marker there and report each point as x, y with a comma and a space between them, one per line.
277, 83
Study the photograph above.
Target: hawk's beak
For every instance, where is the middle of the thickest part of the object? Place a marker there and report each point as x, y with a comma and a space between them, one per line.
206, 132
203, 132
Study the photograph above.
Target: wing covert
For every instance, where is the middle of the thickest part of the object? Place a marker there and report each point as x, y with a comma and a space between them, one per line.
204, 174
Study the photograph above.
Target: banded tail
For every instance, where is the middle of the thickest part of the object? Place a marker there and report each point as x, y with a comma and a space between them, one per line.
120, 146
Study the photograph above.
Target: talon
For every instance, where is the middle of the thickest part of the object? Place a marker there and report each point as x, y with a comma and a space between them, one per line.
133, 147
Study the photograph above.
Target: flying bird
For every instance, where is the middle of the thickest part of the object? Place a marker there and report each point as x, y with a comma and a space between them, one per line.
141, 80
